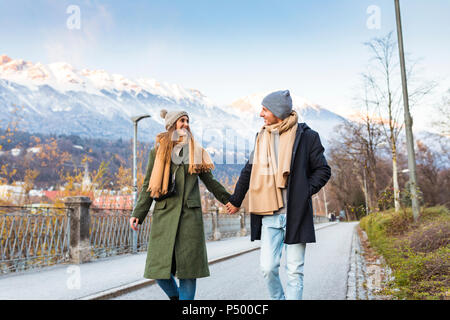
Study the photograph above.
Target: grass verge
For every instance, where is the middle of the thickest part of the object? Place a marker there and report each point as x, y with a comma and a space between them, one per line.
417, 252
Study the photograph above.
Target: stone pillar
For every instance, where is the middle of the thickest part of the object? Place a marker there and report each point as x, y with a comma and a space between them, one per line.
80, 248
215, 223
243, 231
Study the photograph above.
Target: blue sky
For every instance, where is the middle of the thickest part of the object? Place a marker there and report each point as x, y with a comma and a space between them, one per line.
228, 49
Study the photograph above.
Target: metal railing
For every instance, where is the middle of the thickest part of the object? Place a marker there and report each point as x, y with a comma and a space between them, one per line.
219, 226
31, 238
34, 237
110, 233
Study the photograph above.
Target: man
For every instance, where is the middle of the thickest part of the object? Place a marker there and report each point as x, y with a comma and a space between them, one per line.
285, 169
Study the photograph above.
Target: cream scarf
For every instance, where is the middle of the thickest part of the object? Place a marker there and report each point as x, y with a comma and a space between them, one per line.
267, 177
199, 160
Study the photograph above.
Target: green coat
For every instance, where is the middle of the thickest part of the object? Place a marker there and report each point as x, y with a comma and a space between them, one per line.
177, 225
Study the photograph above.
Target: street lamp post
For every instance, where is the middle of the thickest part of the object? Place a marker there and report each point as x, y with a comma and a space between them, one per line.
135, 125
408, 119
325, 201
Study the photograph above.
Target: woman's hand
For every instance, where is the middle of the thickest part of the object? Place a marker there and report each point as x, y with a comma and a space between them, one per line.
231, 209
134, 223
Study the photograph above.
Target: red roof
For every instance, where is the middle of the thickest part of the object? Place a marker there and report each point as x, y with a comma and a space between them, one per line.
53, 195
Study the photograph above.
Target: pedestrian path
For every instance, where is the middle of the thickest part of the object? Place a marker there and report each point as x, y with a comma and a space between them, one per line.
69, 281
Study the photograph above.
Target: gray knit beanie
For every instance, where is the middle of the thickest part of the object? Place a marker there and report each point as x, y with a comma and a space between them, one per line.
279, 103
172, 117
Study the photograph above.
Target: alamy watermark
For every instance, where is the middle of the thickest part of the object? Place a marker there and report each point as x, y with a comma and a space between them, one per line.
374, 20
73, 22
74, 280
374, 279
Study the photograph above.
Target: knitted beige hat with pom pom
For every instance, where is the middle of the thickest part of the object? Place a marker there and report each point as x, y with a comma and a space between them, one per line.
172, 117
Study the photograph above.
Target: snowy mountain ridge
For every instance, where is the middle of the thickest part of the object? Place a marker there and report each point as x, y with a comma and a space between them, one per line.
58, 98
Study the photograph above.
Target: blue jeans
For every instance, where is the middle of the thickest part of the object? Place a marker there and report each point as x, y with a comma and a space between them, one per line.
272, 237
186, 290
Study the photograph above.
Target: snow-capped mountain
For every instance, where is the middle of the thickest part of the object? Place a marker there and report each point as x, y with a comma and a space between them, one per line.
63, 77
58, 98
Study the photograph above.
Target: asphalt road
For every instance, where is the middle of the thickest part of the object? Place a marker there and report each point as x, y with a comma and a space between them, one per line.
326, 269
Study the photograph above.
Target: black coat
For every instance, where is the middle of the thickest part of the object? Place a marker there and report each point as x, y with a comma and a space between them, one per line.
309, 173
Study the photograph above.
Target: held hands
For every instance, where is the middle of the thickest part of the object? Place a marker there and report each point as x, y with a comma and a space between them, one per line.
134, 223
231, 209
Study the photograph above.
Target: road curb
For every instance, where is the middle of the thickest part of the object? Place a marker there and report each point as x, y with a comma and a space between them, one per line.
133, 286
323, 227
357, 270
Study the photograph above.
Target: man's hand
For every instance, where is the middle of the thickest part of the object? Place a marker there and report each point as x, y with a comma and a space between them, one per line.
231, 209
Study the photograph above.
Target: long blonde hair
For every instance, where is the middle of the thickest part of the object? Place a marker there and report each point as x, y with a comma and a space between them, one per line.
167, 141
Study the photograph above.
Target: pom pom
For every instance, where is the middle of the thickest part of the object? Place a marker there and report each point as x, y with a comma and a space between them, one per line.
163, 113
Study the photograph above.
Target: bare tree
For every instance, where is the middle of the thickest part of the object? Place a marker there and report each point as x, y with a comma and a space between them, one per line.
357, 143
385, 93
344, 192
443, 124
434, 175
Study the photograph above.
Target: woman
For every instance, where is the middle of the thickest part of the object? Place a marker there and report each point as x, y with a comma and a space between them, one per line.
177, 240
